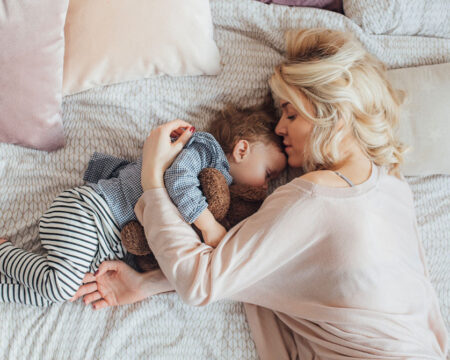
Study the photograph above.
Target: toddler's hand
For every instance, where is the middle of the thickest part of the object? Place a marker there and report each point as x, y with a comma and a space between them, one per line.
3, 241
214, 234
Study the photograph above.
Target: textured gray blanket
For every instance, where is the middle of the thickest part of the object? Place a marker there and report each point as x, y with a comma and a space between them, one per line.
116, 120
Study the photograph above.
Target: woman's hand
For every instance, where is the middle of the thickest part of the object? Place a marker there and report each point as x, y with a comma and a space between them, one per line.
159, 151
116, 283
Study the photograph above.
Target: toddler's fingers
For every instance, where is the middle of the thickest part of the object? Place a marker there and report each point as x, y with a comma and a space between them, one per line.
2, 240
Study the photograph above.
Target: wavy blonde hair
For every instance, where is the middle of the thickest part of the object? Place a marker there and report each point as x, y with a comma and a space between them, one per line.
343, 82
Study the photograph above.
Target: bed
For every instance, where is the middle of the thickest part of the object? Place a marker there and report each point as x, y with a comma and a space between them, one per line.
116, 119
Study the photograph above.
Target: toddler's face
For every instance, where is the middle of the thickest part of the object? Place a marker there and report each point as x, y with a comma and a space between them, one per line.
263, 163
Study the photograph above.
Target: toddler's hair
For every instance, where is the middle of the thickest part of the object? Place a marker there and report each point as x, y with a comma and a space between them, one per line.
254, 124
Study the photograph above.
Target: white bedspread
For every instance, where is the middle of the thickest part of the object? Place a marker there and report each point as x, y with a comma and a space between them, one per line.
116, 120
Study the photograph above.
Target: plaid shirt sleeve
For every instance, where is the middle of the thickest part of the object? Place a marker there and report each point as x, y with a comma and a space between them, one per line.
182, 184
103, 166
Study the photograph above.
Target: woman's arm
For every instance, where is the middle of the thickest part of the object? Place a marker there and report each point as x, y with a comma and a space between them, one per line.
251, 251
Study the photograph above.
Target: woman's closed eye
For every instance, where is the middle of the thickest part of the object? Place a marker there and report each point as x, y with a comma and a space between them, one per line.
292, 117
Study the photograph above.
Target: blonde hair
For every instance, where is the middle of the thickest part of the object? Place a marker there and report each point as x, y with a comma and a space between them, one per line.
343, 82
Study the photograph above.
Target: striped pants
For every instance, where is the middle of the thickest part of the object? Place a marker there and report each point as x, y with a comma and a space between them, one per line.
78, 232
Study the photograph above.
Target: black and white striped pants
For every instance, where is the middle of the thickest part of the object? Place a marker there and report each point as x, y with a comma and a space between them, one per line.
78, 232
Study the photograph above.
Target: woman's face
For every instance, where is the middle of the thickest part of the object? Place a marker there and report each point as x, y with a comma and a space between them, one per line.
295, 130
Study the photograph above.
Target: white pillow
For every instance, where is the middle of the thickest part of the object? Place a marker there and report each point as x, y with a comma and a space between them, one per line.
111, 41
401, 17
425, 118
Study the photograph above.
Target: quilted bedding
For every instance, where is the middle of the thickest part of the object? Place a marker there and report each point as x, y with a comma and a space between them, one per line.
116, 120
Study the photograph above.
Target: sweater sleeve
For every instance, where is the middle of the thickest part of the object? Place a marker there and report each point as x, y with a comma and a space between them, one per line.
250, 251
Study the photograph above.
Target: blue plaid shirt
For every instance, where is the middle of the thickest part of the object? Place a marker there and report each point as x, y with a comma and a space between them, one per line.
118, 181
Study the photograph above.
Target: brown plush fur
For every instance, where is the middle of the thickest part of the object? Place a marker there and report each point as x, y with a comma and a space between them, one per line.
215, 189
245, 201
229, 206
133, 239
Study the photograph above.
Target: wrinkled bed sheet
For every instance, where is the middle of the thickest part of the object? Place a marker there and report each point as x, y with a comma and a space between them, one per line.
116, 120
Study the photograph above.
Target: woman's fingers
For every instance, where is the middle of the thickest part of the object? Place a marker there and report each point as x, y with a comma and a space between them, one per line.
173, 125
176, 133
84, 289
92, 297
107, 266
159, 152
89, 277
177, 123
100, 304
184, 138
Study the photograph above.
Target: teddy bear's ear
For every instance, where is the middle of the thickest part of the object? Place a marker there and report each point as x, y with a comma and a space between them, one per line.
215, 188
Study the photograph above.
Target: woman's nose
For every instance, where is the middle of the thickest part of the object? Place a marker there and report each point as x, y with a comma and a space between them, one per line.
280, 128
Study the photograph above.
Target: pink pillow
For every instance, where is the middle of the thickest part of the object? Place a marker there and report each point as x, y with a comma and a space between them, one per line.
31, 63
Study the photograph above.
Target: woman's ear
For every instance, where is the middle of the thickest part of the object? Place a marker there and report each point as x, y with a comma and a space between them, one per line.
241, 150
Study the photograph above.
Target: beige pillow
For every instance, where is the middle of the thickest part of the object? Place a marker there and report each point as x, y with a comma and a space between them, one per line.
425, 118
111, 41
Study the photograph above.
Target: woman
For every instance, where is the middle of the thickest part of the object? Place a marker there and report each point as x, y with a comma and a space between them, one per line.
331, 266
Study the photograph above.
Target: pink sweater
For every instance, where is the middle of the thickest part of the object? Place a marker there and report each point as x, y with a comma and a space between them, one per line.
325, 273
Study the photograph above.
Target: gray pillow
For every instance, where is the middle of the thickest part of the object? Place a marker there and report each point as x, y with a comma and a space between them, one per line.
401, 17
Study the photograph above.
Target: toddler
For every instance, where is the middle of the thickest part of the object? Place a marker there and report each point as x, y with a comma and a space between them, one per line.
81, 228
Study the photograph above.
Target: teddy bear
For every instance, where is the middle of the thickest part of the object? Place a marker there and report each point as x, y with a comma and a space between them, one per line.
228, 204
